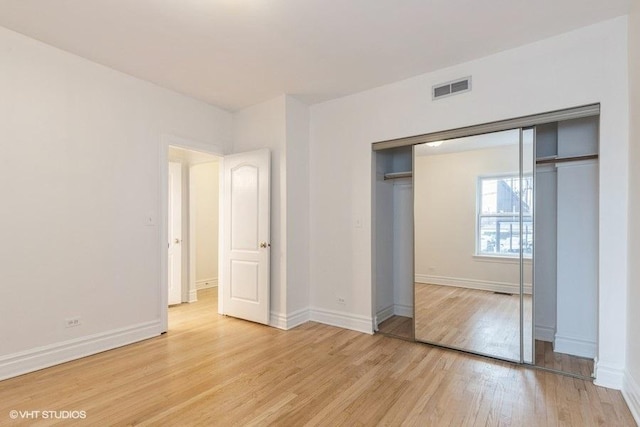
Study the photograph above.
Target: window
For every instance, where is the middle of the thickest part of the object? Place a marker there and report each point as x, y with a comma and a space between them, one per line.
498, 229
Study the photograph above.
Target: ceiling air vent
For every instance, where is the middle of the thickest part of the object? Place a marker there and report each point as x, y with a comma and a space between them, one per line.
452, 88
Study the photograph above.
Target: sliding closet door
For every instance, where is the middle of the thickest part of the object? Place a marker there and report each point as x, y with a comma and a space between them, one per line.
527, 198
470, 208
489, 279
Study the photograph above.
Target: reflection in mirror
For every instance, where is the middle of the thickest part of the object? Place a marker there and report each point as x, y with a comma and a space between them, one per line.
467, 198
566, 246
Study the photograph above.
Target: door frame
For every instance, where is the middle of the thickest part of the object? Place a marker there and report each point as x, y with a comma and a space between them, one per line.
175, 220
167, 140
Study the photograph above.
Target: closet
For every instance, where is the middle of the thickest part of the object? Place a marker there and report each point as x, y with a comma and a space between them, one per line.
393, 245
486, 239
566, 251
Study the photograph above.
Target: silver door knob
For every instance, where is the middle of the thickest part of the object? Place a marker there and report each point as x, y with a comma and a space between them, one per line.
177, 241
265, 245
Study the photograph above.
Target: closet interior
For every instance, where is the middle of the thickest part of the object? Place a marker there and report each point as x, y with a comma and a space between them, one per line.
486, 239
394, 242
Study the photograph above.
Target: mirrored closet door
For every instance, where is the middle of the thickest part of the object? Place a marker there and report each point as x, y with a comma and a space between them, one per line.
489, 243
473, 246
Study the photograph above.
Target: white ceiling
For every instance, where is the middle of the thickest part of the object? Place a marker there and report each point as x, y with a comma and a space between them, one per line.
235, 53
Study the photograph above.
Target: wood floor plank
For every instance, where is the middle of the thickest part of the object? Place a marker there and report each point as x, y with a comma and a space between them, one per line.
214, 370
479, 321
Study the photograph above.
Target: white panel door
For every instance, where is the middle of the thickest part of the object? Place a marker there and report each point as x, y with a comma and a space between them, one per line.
175, 233
246, 248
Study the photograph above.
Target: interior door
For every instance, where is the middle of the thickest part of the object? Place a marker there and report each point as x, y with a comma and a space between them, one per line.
245, 242
175, 233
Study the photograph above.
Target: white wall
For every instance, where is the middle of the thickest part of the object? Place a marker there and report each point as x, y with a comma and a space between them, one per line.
282, 125
383, 237
632, 380
581, 67
546, 243
81, 174
297, 158
546, 238
403, 243
204, 183
577, 231
264, 126
446, 217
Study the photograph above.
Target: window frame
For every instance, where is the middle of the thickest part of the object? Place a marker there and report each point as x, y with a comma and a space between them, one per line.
479, 215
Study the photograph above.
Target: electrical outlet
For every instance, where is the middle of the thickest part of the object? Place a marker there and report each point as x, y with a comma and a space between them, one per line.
341, 300
72, 322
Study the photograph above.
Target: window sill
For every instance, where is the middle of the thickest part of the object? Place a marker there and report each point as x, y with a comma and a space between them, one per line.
501, 259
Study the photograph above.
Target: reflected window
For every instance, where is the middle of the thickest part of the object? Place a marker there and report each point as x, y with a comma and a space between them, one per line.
498, 229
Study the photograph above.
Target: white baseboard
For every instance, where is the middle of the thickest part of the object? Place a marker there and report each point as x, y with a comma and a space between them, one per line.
286, 322
403, 310
278, 320
545, 333
297, 318
609, 376
384, 313
207, 283
481, 285
393, 310
38, 358
631, 394
193, 295
342, 320
574, 346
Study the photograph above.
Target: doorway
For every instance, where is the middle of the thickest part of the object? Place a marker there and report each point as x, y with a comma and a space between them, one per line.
193, 225
244, 249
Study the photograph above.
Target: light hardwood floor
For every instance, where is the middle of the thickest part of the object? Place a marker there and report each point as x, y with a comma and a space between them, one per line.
547, 358
469, 319
397, 326
484, 322
212, 370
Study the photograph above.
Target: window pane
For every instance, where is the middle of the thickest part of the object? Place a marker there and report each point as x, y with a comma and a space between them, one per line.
502, 195
500, 235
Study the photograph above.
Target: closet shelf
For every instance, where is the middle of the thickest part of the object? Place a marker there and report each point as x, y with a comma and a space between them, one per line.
396, 175
555, 159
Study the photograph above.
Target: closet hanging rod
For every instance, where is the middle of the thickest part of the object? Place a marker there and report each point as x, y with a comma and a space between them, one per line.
396, 175
566, 159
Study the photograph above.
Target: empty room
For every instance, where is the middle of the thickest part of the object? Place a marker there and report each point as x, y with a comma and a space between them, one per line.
359, 212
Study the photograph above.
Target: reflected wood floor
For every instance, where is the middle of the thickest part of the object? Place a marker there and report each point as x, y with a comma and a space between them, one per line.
213, 370
469, 319
484, 322
397, 326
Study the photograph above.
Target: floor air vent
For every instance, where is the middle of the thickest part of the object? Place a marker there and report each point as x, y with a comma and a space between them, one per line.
451, 88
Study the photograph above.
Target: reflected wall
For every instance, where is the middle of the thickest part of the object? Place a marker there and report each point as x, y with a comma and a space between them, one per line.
468, 193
